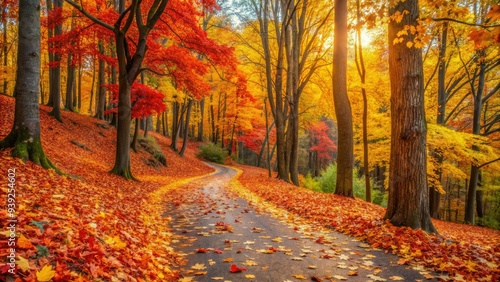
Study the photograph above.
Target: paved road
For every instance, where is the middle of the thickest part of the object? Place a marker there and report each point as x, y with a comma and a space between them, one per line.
215, 229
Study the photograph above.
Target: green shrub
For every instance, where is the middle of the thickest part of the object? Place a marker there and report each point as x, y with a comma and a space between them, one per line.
328, 178
212, 152
311, 183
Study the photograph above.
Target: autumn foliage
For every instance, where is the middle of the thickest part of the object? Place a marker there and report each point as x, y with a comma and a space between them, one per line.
89, 225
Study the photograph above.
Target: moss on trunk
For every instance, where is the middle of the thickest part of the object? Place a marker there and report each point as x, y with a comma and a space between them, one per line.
124, 172
27, 148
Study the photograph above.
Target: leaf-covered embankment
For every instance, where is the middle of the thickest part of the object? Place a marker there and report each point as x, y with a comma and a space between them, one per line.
90, 224
464, 251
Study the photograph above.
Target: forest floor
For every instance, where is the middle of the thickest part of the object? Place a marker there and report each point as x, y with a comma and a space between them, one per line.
94, 226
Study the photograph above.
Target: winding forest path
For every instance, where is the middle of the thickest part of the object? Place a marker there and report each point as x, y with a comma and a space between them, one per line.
215, 229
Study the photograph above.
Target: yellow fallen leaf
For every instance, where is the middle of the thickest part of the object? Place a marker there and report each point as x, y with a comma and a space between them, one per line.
250, 276
46, 274
23, 242
217, 278
299, 276
339, 277
312, 266
200, 273
198, 266
115, 242
396, 278
227, 260
23, 263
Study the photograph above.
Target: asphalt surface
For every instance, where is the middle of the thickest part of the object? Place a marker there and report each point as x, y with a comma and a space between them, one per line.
215, 229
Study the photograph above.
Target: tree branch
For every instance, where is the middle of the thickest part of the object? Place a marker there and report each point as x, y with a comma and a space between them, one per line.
490, 162
465, 23
90, 16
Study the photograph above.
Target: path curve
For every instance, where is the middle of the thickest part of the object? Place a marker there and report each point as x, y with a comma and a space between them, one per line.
214, 228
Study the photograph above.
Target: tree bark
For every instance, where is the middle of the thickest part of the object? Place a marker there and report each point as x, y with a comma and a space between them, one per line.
101, 80
360, 64
476, 129
186, 128
345, 157
55, 71
25, 133
408, 203
434, 194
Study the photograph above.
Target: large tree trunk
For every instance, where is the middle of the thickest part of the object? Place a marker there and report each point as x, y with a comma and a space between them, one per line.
126, 78
25, 134
345, 158
408, 194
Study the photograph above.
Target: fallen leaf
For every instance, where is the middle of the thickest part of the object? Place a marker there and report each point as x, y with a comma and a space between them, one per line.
23, 242
352, 273
396, 278
217, 278
46, 274
249, 276
234, 269
23, 263
200, 273
339, 277
228, 260
299, 276
199, 266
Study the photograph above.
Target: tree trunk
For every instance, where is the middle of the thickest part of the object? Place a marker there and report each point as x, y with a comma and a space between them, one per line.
101, 80
55, 71
434, 194
202, 119
92, 87
360, 64
408, 203
5, 49
133, 145
345, 158
25, 133
476, 129
186, 128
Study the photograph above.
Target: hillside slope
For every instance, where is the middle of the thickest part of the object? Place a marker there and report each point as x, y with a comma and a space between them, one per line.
90, 224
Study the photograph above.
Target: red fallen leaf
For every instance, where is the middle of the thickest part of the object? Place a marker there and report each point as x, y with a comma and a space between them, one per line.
217, 251
236, 221
314, 278
319, 240
239, 250
327, 256
273, 249
235, 269
202, 250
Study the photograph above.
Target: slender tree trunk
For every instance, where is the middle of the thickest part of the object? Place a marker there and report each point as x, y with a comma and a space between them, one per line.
101, 81
133, 145
92, 87
5, 49
25, 134
55, 78
434, 194
408, 203
345, 158
360, 64
186, 128
476, 130
202, 119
